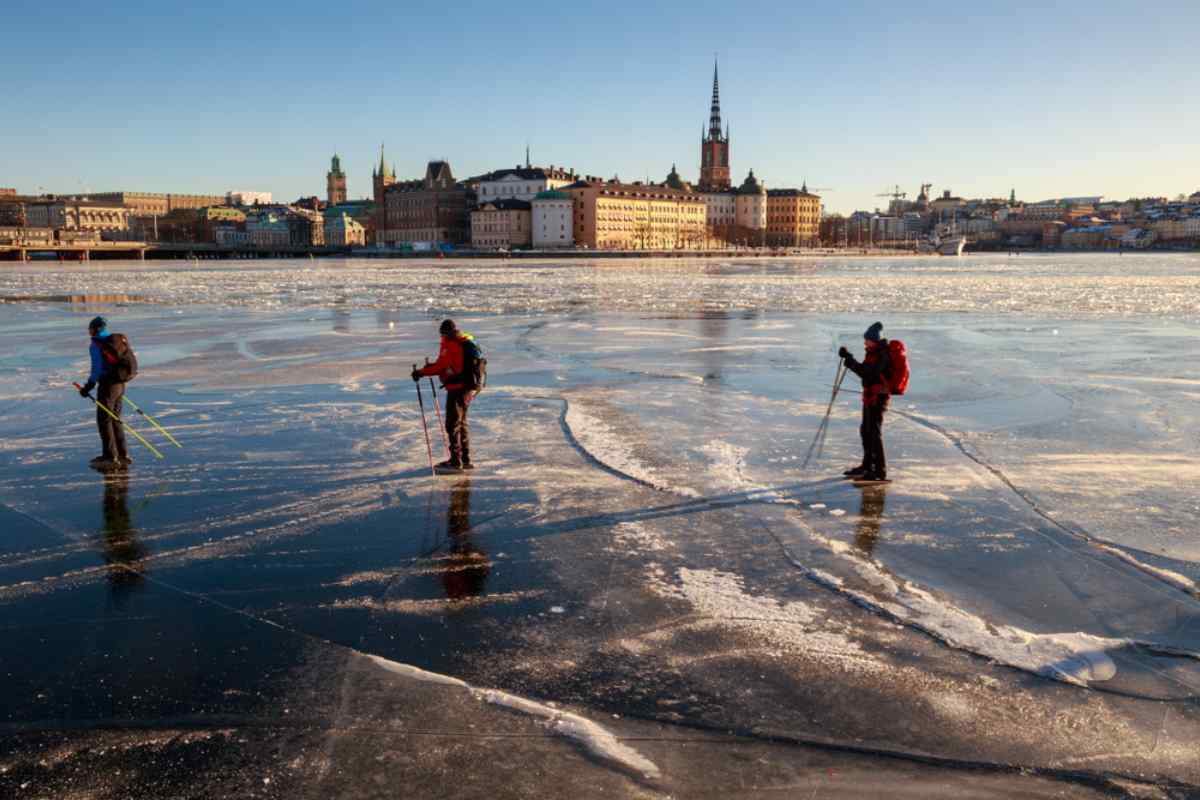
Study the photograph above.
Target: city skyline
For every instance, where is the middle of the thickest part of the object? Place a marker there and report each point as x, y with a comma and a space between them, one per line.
1031, 98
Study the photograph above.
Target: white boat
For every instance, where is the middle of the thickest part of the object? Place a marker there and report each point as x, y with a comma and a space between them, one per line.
952, 245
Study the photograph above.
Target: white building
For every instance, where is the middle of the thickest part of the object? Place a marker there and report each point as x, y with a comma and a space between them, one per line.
521, 183
720, 211
751, 210
248, 198
552, 222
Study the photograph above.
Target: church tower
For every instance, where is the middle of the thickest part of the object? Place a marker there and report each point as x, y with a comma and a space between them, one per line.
714, 147
335, 182
381, 178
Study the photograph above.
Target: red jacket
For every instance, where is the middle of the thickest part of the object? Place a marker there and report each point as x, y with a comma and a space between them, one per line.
449, 364
873, 371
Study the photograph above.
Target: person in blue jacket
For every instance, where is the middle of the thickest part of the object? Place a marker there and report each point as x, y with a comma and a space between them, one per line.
109, 392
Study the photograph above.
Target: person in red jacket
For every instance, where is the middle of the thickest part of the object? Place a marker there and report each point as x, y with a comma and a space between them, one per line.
449, 369
876, 395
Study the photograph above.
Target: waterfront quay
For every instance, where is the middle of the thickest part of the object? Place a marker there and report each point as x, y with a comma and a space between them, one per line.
153, 251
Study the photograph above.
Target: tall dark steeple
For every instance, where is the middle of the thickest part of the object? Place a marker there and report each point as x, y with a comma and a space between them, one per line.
714, 116
714, 145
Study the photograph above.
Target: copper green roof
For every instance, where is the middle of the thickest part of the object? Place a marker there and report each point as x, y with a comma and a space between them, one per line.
551, 194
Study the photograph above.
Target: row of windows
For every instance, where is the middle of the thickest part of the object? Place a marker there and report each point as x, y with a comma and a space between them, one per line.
486, 191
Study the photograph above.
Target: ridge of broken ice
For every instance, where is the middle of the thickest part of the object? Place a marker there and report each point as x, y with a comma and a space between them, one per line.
597, 740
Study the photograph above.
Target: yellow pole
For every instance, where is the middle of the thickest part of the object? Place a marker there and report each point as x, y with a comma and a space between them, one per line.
152, 421
122, 423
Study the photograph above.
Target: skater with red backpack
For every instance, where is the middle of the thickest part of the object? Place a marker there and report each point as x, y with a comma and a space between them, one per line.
884, 372
463, 371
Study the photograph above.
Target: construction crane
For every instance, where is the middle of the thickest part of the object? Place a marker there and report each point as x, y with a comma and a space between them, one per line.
895, 194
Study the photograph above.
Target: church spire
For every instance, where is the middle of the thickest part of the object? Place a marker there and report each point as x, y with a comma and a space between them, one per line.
714, 118
527, 165
383, 167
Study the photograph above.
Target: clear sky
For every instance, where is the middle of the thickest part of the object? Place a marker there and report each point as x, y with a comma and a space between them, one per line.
1048, 98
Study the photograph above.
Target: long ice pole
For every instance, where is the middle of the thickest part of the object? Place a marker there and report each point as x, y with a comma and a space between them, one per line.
425, 425
438, 410
152, 421
121, 422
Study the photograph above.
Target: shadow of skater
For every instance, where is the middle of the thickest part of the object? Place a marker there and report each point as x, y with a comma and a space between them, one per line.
870, 517
467, 568
122, 551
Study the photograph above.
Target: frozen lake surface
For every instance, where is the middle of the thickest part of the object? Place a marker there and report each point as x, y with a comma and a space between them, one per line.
643, 581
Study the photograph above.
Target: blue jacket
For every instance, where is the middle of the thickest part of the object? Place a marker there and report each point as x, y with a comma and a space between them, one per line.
99, 366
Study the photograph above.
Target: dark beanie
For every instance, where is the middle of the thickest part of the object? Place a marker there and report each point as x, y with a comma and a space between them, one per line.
872, 334
448, 328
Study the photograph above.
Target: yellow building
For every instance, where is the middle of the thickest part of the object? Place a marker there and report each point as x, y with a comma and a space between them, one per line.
77, 215
793, 217
156, 204
610, 215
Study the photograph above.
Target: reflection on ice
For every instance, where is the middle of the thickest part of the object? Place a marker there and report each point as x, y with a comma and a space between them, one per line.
641, 453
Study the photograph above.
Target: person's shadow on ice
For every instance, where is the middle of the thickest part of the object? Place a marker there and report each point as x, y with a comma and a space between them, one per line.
468, 567
123, 552
870, 518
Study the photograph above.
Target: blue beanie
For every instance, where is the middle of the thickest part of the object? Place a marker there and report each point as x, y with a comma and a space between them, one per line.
872, 334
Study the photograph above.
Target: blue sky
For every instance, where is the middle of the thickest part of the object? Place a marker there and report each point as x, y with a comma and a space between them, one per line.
1050, 98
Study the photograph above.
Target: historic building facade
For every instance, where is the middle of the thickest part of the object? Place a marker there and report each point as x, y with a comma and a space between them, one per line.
434, 209
521, 183
77, 215
335, 182
636, 216
552, 219
341, 230
750, 216
268, 228
502, 224
714, 147
154, 204
793, 217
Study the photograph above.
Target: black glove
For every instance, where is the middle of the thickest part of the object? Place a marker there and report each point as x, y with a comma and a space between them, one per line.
416, 375
843, 353
86, 389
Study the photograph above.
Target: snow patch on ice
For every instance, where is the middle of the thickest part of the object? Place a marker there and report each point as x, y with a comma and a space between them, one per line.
603, 444
434, 606
791, 626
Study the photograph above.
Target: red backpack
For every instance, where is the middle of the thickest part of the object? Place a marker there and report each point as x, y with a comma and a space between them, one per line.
897, 377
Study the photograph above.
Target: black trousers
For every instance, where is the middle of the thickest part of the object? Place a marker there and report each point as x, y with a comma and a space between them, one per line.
456, 425
871, 431
112, 433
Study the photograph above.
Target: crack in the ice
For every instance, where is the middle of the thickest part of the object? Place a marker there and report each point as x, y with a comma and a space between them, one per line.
1178, 582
